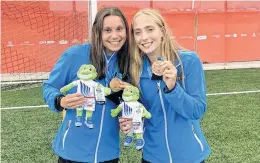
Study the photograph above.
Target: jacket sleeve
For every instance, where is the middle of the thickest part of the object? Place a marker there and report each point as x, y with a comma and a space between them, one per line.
59, 76
190, 102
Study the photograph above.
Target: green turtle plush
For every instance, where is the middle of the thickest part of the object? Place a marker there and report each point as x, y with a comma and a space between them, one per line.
134, 110
92, 90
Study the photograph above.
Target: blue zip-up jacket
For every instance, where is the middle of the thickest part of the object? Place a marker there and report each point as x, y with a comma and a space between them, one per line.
82, 144
173, 134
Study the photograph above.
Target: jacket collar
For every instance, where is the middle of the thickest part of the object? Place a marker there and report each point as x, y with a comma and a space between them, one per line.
146, 70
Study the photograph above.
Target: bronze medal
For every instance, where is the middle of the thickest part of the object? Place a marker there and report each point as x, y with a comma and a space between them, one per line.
156, 69
114, 84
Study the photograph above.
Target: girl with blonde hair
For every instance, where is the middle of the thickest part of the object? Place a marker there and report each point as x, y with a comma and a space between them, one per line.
172, 85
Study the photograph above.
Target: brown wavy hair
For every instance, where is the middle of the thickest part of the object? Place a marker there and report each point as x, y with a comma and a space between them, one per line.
96, 52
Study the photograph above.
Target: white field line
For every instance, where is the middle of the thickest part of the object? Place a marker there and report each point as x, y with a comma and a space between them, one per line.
232, 93
25, 107
209, 94
22, 82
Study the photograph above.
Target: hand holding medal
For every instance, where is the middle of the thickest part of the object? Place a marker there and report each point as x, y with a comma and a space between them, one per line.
166, 70
156, 68
117, 84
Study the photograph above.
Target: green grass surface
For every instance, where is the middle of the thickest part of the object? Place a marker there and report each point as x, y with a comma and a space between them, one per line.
231, 123
32, 96
231, 126
27, 135
232, 80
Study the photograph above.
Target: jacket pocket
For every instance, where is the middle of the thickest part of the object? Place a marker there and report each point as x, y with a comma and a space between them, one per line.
65, 134
197, 138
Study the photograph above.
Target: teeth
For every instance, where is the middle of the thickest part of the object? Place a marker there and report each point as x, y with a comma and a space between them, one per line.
114, 42
127, 98
85, 76
146, 45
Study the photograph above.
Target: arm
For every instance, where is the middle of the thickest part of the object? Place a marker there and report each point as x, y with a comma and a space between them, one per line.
58, 78
107, 90
67, 87
63, 73
116, 111
190, 103
146, 114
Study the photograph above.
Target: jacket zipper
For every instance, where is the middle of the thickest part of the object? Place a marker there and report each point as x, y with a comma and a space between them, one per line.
165, 122
100, 131
197, 138
65, 134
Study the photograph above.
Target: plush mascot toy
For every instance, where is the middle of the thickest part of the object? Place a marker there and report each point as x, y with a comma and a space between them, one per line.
93, 91
134, 110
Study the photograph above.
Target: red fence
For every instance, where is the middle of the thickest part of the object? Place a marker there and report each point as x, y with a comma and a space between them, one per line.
34, 34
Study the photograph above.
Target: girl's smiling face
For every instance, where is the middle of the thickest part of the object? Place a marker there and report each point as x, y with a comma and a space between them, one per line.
148, 35
113, 34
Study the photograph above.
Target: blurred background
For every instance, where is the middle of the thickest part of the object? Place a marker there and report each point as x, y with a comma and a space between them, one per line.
225, 34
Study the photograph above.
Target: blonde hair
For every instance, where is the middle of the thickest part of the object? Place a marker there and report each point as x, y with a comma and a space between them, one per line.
169, 46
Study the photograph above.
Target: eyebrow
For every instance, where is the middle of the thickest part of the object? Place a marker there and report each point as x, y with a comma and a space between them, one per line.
116, 26
148, 26
121, 26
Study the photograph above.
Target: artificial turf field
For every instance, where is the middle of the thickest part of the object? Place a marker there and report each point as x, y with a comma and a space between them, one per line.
231, 123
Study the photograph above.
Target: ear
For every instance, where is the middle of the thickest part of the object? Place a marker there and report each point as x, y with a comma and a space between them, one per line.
163, 32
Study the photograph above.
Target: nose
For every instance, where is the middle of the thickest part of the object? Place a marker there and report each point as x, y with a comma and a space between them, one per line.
114, 35
144, 36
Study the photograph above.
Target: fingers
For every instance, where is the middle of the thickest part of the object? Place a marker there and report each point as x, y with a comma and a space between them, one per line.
169, 73
125, 125
72, 101
117, 84
166, 65
123, 85
114, 84
168, 69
